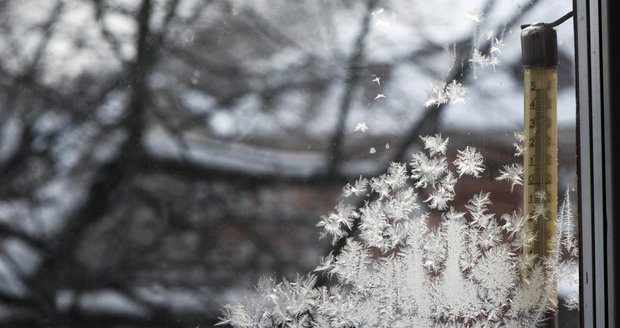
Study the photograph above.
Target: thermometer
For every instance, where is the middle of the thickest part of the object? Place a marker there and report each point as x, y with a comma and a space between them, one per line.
540, 161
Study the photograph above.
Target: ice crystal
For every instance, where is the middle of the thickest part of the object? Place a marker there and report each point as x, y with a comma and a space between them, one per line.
361, 126
490, 34
496, 46
358, 188
437, 95
512, 173
513, 225
342, 217
494, 61
479, 58
492, 58
427, 171
496, 274
439, 198
568, 272
398, 270
519, 144
435, 144
237, 315
567, 226
456, 92
478, 207
540, 211
475, 15
469, 161
378, 16
442, 93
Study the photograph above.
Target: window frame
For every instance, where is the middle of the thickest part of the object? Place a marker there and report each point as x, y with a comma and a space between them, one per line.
598, 155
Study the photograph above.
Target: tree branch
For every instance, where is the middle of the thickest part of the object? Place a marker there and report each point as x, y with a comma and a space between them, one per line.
108, 179
353, 76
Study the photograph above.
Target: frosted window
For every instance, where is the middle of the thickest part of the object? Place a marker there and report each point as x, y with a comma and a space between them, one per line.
158, 157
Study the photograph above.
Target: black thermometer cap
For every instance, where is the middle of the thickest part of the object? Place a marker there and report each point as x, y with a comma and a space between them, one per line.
539, 46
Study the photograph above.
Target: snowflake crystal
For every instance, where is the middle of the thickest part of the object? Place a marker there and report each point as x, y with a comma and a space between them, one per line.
435, 144
512, 173
361, 126
469, 162
442, 93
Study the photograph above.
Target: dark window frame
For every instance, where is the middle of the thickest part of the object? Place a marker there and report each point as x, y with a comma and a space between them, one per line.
599, 160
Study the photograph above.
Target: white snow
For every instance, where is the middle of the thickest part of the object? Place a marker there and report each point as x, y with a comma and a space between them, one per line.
237, 157
109, 301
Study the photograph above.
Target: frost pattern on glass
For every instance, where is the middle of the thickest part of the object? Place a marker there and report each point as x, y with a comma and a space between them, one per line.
401, 271
469, 161
512, 173
443, 93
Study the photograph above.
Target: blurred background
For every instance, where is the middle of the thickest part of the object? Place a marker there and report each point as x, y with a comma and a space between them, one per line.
158, 156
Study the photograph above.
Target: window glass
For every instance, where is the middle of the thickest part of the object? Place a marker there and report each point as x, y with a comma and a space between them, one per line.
158, 157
